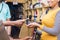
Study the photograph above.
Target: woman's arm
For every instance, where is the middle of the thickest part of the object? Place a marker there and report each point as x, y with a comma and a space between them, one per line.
56, 29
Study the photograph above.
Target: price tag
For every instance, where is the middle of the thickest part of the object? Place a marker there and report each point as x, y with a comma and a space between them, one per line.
15, 2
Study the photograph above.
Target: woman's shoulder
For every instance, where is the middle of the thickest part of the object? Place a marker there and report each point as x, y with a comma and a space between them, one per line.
58, 13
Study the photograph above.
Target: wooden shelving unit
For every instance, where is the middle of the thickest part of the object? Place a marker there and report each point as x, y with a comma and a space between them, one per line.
29, 10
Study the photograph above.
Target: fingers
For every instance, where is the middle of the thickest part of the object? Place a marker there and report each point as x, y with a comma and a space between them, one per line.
32, 25
29, 24
23, 20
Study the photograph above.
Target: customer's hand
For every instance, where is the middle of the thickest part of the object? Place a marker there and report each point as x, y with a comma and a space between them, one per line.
20, 22
32, 25
26, 38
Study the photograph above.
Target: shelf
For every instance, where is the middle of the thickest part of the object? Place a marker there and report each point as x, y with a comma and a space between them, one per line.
33, 9
28, 9
37, 8
19, 1
34, 1
9, 0
27, 1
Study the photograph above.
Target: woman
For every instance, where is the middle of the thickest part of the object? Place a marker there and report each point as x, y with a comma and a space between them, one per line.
50, 22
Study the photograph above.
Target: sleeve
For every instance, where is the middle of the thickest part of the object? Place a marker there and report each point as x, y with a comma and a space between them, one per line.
56, 29
8, 15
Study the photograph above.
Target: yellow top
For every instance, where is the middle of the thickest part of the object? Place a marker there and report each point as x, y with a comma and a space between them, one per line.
48, 21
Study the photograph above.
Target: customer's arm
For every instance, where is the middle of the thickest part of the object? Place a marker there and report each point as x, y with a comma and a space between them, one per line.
13, 23
56, 29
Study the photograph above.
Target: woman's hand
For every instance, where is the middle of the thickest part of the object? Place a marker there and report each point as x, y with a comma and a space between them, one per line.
32, 25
